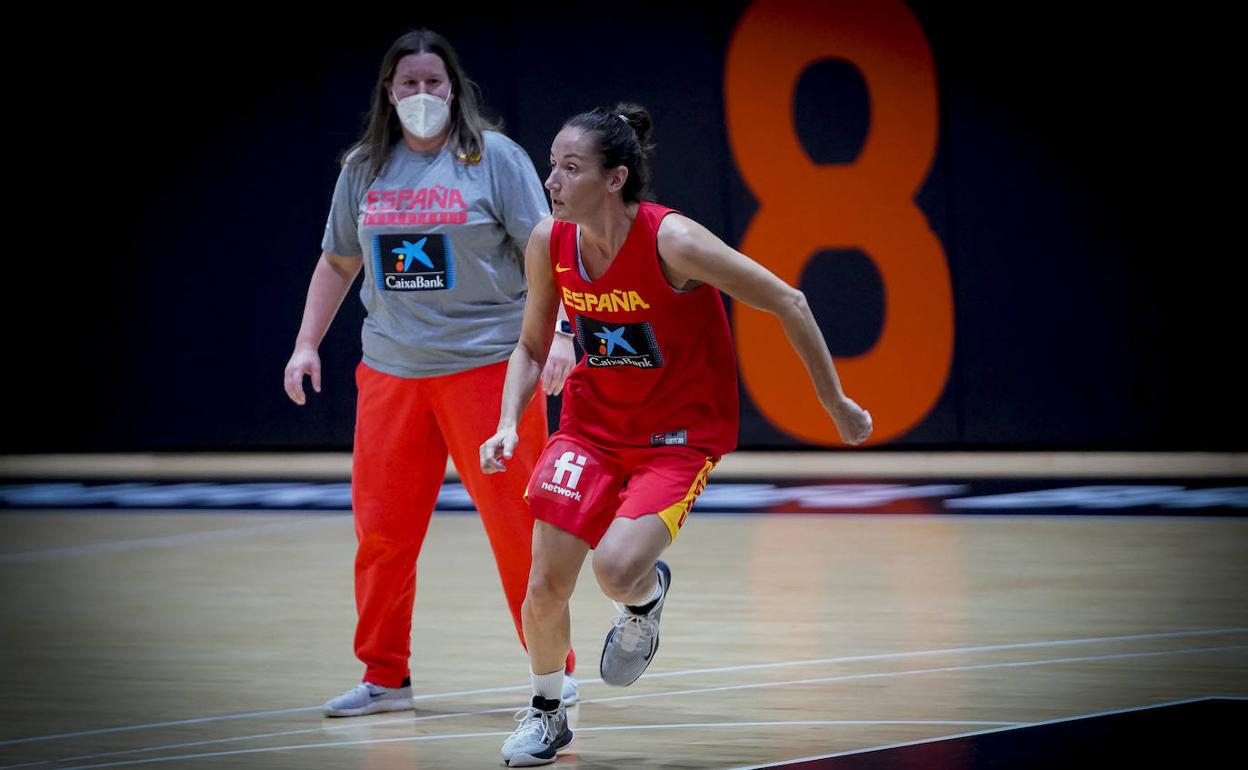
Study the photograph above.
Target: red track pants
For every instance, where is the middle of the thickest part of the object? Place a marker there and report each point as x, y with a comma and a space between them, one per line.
403, 432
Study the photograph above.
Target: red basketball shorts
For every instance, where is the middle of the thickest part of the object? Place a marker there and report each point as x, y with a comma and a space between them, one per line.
581, 489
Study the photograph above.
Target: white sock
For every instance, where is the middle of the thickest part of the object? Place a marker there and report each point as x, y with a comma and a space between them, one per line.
654, 597
548, 686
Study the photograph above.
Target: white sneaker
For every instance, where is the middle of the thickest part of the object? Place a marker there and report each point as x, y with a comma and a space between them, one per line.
571, 690
369, 698
543, 731
634, 639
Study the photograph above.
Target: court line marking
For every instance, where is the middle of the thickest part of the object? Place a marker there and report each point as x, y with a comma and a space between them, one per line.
605, 728
503, 733
663, 675
851, 677
948, 651
206, 536
797, 722
941, 670
1019, 726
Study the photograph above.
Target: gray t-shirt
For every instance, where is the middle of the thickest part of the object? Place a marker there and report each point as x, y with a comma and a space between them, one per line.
443, 248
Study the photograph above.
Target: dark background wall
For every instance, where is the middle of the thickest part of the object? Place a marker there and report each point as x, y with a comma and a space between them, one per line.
170, 189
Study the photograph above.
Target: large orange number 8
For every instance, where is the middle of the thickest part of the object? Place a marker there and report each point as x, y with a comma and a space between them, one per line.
869, 204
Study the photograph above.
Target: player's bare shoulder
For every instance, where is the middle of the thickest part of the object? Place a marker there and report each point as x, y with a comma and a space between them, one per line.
544, 227
678, 235
540, 236
688, 251
676, 240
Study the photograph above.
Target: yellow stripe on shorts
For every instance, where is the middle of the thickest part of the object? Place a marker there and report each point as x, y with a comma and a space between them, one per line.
674, 515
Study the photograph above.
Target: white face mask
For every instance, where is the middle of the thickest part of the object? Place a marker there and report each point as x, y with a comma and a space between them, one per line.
425, 115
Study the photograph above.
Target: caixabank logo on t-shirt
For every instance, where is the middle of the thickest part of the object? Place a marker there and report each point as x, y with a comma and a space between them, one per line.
413, 262
618, 344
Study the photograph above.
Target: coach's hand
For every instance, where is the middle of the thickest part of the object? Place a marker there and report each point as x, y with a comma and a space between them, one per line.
303, 362
496, 449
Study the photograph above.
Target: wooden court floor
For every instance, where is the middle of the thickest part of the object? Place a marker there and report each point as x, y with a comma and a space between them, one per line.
209, 639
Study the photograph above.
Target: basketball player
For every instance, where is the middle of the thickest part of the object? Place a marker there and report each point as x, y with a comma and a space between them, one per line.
648, 411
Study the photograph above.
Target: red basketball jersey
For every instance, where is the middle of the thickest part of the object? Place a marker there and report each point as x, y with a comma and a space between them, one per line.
659, 368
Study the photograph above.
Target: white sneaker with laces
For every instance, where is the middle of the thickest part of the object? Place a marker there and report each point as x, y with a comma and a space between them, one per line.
369, 698
634, 639
542, 733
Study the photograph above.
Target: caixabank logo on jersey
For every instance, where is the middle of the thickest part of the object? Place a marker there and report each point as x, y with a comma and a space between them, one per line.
413, 262
618, 344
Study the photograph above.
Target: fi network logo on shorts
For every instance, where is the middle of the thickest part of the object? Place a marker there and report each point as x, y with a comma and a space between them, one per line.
567, 475
618, 344
413, 262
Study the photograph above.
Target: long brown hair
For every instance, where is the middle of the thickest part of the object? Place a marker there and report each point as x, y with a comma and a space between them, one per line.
383, 130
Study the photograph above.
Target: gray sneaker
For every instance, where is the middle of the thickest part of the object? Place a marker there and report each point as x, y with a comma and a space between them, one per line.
634, 639
369, 698
543, 731
571, 690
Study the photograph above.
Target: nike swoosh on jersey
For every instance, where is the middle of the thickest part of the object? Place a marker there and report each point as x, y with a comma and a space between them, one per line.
561, 269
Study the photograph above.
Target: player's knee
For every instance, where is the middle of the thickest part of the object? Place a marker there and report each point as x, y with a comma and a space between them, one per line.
547, 589
618, 572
